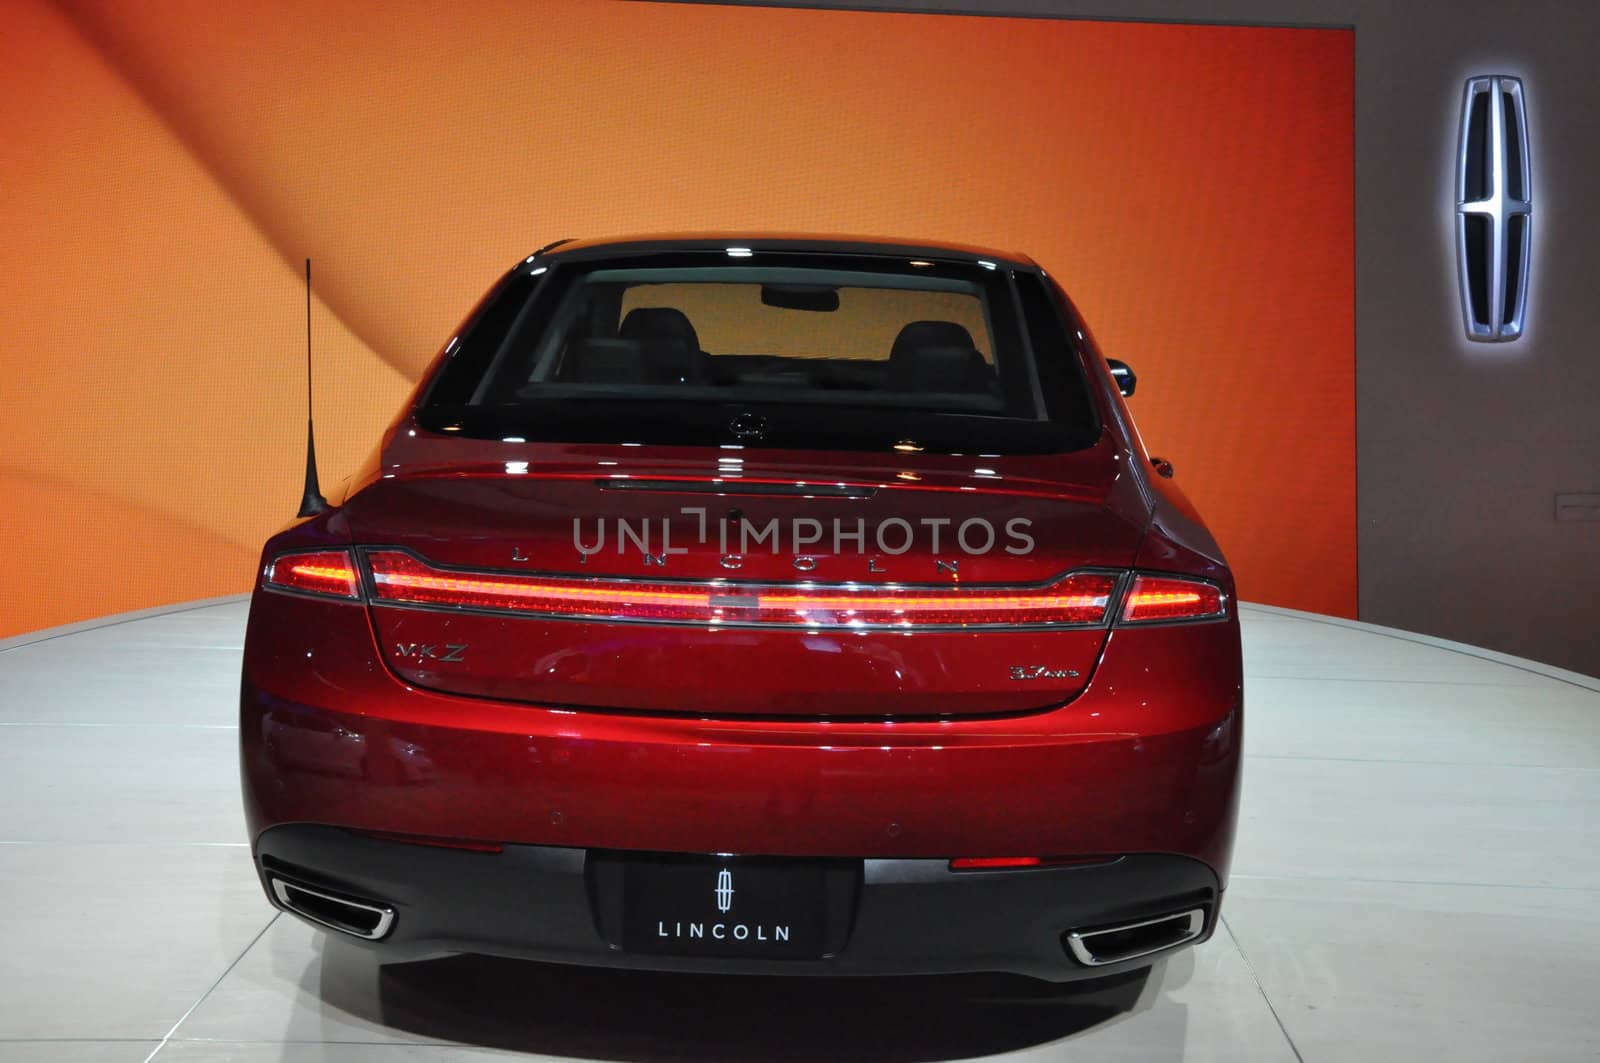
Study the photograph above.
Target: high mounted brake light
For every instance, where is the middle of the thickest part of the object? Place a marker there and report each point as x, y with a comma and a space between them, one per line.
325, 572
1170, 599
1078, 600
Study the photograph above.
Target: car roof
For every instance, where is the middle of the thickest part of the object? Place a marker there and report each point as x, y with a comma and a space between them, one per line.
821, 242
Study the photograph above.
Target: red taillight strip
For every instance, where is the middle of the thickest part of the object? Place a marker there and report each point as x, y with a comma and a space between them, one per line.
1080, 599
1170, 599
324, 572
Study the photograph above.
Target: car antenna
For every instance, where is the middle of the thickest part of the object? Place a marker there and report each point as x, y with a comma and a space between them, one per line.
311, 502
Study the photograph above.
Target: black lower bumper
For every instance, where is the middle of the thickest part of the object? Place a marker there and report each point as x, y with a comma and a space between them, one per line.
895, 916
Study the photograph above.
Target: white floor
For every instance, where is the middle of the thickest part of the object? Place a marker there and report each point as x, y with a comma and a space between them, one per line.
1417, 878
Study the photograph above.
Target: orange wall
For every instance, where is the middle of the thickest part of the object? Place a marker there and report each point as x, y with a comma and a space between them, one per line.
165, 166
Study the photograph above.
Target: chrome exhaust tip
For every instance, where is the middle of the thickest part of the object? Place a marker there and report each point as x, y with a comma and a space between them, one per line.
369, 920
1130, 941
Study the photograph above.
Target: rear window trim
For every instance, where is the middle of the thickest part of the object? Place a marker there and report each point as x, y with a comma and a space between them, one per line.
1078, 436
1041, 407
544, 273
515, 338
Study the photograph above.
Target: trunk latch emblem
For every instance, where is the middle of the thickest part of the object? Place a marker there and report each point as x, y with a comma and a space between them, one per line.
748, 426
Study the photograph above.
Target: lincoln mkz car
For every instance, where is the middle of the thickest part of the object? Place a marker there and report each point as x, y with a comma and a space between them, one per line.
798, 605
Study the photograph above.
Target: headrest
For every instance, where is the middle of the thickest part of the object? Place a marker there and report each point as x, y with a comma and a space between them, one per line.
671, 347
936, 356
930, 334
960, 370
608, 362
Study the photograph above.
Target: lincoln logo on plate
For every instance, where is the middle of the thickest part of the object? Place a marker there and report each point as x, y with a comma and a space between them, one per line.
724, 890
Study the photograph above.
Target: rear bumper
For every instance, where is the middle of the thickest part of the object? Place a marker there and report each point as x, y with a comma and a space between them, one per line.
1140, 773
1145, 760
905, 916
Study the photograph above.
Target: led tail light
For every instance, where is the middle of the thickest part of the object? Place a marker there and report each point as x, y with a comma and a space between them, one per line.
328, 572
1165, 599
1081, 599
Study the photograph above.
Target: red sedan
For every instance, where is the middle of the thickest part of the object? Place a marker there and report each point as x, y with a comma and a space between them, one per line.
771, 604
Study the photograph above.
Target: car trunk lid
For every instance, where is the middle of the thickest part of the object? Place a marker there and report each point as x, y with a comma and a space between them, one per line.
732, 582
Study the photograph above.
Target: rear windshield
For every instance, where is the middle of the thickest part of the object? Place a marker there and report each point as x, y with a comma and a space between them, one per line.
778, 349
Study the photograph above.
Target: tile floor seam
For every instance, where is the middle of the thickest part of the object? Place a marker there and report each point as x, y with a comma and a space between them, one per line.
1355, 881
1259, 988
164, 726
1277, 678
1418, 763
77, 1040
388, 1042
100, 844
213, 986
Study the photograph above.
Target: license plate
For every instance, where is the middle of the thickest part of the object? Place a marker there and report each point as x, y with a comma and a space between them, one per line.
705, 906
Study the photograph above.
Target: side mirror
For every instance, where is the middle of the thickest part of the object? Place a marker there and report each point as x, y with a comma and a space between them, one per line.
1124, 375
